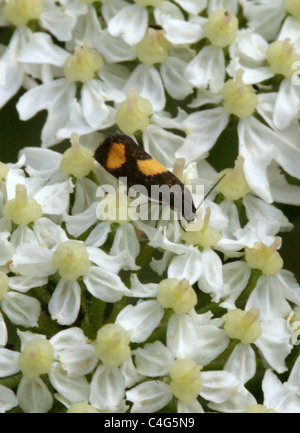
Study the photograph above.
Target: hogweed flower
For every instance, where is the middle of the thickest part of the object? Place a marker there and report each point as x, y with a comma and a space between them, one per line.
281, 56
178, 295
78, 160
134, 113
83, 64
20, 12
239, 98
186, 382
36, 358
221, 28
22, 209
265, 258
154, 48
234, 184
72, 260
200, 233
112, 345
243, 325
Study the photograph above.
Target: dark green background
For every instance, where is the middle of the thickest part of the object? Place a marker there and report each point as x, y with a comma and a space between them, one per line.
15, 134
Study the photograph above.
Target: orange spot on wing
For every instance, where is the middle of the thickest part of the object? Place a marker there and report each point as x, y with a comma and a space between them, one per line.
116, 156
150, 167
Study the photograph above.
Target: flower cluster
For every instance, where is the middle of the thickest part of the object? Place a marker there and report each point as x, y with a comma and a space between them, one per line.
101, 314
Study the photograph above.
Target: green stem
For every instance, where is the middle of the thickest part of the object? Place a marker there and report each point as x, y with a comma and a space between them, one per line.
214, 308
243, 298
145, 256
11, 382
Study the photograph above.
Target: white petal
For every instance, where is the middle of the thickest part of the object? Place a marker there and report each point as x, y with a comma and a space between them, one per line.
34, 396
130, 374
41, 162
68, 338
153, 360
94, 108
282, 191
41, 49
140, 320
129, 23
172, 72
242, 363
126, 240
203, 129
222, 4
14, 71
75, 390
21, 309
212, 341
235, 277
182, 339
8, 362
85, 193
256, 146
256, 206
48, 233
192, 6
289, 285
192, 407
30, 260
23, 284
181, 32
269, 299
3, 332
105, 285
79, 360
264, 16
207, 69
161, 144
218, 386
65, 302
114, 49
274, 343
104, 261
287, 104
59, 22
149, 397
107, 388
78, 224
98, 235
8, 399
146, 81
139, 290
211, 280
187, 266
54, 199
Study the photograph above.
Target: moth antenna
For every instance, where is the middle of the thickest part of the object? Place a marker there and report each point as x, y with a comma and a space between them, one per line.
211, 190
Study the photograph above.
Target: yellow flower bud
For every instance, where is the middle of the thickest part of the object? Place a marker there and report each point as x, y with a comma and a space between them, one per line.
3, 170
77, 160
221, 28
20, 12
145, 3
178, 295
243, 325
281, 56
4, 282
112, 345
22, 209
234, 184
36, 358
200, 233
239, 98
154, 48
83, 64
133, 114
82, 407
259, 408
186, 382
264, 258
72, 260
292, 7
